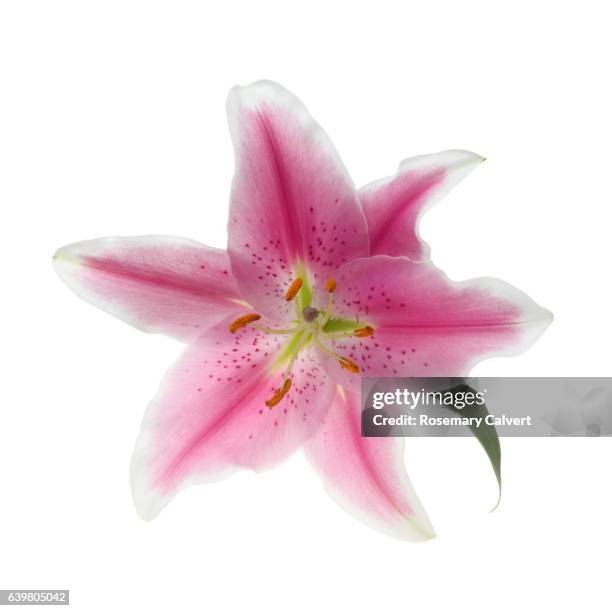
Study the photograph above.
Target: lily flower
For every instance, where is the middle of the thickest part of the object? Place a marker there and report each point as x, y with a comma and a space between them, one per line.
320, 285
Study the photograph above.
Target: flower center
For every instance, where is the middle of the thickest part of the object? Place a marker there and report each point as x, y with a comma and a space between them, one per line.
311, 326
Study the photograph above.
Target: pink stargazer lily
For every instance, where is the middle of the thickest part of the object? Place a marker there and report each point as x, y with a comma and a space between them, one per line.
320, 284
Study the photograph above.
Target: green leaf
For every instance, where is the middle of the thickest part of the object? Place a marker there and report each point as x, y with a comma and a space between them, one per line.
485, 433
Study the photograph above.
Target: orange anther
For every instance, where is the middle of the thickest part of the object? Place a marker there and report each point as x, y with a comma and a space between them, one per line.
292, 291
330, 285
243, 321
348, 364
363, 332
276, 398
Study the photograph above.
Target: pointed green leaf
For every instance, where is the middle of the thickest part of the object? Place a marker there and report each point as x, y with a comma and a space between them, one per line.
485, 433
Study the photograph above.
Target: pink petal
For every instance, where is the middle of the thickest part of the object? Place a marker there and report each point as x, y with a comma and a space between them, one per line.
210, 418
393, 206
366, 476
159, 284
425, 324
292, 199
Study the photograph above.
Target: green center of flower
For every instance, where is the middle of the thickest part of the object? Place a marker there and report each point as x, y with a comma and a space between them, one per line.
311, 326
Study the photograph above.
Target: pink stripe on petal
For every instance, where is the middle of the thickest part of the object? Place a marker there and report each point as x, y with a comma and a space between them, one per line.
393, 206
291, 197
210, 418
425, 324
366, 476
158, 284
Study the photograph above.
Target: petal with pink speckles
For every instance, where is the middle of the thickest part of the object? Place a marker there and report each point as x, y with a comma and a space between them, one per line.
366, 476
292, 199
393, 206
210, 419
425, 324
158, 284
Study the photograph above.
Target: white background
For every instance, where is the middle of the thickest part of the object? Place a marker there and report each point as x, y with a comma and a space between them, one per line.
112, 122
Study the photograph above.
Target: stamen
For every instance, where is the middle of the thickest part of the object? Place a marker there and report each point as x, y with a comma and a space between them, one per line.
330, 287
277, 397
366, 331
348, 364
243, 321
292, 291
343, 361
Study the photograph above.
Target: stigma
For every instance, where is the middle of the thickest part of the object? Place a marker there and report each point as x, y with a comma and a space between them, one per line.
310, 314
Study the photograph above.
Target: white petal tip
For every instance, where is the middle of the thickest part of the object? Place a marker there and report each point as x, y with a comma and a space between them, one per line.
418, 530
410, 529
456, 162
417, 535
147, 511
148, 504
459, 158
65, 254
253, 94
547, 316
147, 500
